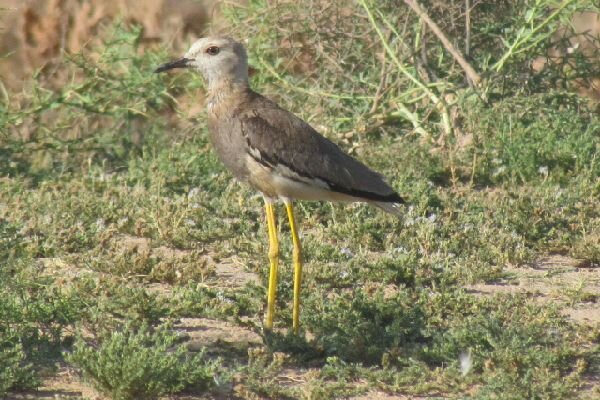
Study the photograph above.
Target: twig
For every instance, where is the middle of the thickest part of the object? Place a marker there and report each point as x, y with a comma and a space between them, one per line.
472, 75
381, 87
426, 89
384, 41
467, 27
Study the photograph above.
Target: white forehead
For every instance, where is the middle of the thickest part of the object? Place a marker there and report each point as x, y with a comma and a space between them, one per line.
203, 43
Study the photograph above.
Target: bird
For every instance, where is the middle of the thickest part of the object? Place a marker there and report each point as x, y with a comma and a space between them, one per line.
276, 153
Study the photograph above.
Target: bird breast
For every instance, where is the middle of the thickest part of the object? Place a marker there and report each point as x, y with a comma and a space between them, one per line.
229, 144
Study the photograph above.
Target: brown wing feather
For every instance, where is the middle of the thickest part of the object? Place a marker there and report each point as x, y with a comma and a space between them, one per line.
283, 138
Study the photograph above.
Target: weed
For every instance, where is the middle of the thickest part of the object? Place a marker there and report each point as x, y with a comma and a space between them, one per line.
133, 363
15, 372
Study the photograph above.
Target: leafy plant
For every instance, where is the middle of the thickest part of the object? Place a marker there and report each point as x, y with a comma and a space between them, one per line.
15, 371
142, 363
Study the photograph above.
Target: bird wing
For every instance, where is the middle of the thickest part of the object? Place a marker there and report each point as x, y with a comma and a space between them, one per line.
284, 142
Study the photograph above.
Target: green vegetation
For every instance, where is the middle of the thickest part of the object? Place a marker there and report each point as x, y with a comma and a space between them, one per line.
138, 364
115, 214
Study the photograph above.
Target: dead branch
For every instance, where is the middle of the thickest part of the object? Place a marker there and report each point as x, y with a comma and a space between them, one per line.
472, 75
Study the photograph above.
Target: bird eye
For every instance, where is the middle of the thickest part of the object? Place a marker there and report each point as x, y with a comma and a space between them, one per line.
213, 50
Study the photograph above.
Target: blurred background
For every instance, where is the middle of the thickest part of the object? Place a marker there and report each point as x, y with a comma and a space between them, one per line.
35, 33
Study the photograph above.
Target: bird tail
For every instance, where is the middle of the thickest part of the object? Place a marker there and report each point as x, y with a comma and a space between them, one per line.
389, 207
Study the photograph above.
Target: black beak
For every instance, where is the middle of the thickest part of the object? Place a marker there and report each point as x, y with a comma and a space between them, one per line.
181, 63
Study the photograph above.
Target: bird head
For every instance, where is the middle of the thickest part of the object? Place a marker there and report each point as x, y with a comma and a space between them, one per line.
217, 58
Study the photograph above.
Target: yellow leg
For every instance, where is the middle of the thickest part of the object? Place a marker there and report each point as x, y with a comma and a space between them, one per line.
274, 261
297, 255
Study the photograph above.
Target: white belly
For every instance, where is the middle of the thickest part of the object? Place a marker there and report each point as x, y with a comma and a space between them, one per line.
278, 182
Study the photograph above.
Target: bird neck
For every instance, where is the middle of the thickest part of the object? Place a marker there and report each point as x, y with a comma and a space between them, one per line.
224, 95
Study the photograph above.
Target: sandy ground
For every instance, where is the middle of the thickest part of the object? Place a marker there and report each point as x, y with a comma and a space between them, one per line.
555, 278
560, 279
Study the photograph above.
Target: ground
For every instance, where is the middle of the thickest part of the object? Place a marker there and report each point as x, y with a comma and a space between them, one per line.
553, 279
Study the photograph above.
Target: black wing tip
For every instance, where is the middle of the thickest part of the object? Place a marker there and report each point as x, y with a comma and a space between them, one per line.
391, 198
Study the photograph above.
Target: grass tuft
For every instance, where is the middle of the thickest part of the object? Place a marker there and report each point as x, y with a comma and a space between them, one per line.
134, 363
